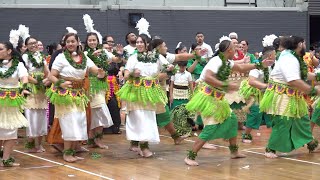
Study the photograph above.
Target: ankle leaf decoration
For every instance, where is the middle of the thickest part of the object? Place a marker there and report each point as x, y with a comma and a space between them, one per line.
233, 148
192, 155
69, 152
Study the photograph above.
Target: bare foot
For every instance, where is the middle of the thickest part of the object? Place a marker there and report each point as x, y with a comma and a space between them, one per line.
146, 153
209, 146
270, 155
34, 150
134, 148
190, 162
102, 146
237, 155
81, 149
248, 141
180, 139
99, 144
69, 158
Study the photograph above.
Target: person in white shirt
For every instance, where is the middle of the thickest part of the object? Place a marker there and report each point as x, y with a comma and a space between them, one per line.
219, 120
284, 100
68, 95
13, 73
181, 86
204, 46
131, 39
252, 90
36, 106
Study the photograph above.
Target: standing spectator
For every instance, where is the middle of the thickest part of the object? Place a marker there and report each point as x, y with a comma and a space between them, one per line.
203, 45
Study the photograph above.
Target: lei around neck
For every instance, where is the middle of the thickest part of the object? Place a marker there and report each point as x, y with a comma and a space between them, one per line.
225, 70
11, 70
303, 66
101, 60
34, 61
83, 59
148, 57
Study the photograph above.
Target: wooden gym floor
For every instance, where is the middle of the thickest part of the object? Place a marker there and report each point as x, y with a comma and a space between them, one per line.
119, 163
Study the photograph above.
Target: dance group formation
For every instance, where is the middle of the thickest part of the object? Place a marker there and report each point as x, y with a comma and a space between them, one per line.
85, 88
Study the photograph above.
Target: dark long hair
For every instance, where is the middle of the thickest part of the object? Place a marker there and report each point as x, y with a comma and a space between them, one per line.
155, 43
292, 42
14, 52
223, 46
51, 48
20, 45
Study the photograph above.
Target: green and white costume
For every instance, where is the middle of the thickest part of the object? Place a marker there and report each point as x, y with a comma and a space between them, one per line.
289, 110
218, 118
100, 114
253, 96
37, 103
11, 101
144, 96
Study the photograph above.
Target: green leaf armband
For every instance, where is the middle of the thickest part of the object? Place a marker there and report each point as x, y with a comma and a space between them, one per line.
259, 65
59, 82
318, 76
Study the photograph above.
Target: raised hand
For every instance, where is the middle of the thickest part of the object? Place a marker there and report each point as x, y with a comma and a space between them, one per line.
119, 49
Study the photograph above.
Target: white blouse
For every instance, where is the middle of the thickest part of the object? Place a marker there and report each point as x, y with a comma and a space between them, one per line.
214, 65
146, 69
182, 78
62, 65
37, 56
287, 68
13, 81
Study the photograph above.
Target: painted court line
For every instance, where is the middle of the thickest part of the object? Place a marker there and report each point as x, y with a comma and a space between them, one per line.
36, 167
65, 165
253, 152
291, 159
